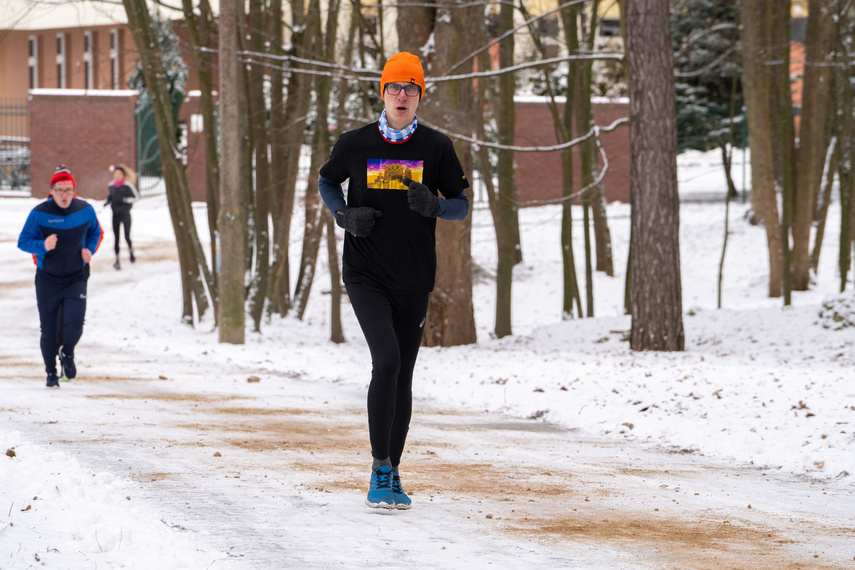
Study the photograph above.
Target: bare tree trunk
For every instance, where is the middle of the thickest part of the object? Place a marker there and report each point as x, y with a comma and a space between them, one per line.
587, 152
570, 23
824, 200
813, 139
506, 226
200, 31
258, 123
657, 320
288, 158
278, 166
731, 191
784, 135
231, 224
324, 50
846, 168
844, 260
762, 102
336, 330
596, 195
195, 274
247, 191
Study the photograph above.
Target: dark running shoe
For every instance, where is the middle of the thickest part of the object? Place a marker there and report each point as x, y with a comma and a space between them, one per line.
133, 259
52, 380
380, 494
402, 501
68, 371
117, 265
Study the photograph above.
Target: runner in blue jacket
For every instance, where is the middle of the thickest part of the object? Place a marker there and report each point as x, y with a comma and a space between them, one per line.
62, 233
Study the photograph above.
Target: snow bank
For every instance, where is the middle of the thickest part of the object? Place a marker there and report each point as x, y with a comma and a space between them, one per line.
57, 513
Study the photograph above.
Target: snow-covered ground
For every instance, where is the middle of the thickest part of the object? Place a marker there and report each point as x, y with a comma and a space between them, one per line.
762, 390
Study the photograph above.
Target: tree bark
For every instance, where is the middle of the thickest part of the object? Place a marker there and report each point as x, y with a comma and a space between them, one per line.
823, 202
247, 194
846, 163
260, 139
323, 50
506, 204
336, 330
570, 23
288, 157
279, 296
657, 322
783, 120
230, 223
201, 32
762, 103
596, 195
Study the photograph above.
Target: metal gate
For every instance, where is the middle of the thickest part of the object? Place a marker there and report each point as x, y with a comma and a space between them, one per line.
149, 170
14, 145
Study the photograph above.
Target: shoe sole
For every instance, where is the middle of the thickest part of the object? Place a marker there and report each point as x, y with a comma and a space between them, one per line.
379, 505
403, 507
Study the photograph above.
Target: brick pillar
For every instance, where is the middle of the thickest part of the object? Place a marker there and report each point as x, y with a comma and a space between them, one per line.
86, 130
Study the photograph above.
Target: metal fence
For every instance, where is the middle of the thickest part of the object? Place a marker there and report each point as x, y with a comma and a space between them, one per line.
14, 144
149, 170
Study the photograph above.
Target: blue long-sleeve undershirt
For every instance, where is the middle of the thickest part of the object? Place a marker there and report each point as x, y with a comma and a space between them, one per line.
449, 208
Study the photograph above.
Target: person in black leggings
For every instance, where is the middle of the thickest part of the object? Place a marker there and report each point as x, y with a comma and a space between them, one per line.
396, 169
121, 196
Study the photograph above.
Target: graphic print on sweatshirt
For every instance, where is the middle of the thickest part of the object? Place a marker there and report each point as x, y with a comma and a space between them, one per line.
384, 174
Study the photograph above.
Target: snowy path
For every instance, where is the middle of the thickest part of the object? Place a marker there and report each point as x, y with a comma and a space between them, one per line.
287, 488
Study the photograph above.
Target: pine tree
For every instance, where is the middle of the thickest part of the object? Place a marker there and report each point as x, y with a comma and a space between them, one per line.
705, 37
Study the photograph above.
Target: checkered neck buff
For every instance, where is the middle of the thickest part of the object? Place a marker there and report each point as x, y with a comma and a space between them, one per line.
394, 135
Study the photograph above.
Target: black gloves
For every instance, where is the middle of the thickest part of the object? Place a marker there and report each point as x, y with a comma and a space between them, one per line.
358, 221
421, 199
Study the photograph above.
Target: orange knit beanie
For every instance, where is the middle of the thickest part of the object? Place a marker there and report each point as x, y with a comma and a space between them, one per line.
403, 67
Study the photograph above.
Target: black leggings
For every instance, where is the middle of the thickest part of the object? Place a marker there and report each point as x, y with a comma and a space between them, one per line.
393, 326
120, 218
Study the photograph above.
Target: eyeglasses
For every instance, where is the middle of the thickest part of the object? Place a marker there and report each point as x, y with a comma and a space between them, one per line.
411, 89
63, 190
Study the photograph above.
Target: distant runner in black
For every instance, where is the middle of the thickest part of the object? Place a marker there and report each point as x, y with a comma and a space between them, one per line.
121, 196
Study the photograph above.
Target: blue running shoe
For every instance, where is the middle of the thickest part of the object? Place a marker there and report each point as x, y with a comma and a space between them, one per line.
68, 369
380, 494
52, 380
402, 501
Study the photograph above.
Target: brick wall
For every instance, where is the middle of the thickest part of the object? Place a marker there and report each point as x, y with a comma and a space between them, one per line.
196, 160
87, 132
539, 174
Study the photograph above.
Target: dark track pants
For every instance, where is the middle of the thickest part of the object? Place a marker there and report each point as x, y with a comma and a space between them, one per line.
393, 326
62, 307
121, 219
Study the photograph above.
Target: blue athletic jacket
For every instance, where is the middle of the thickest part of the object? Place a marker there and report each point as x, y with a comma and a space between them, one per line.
76, 227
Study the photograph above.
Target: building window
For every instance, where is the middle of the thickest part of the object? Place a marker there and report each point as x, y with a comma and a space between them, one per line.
60, 61
610, 27
34, 62
88, 80
114, 59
